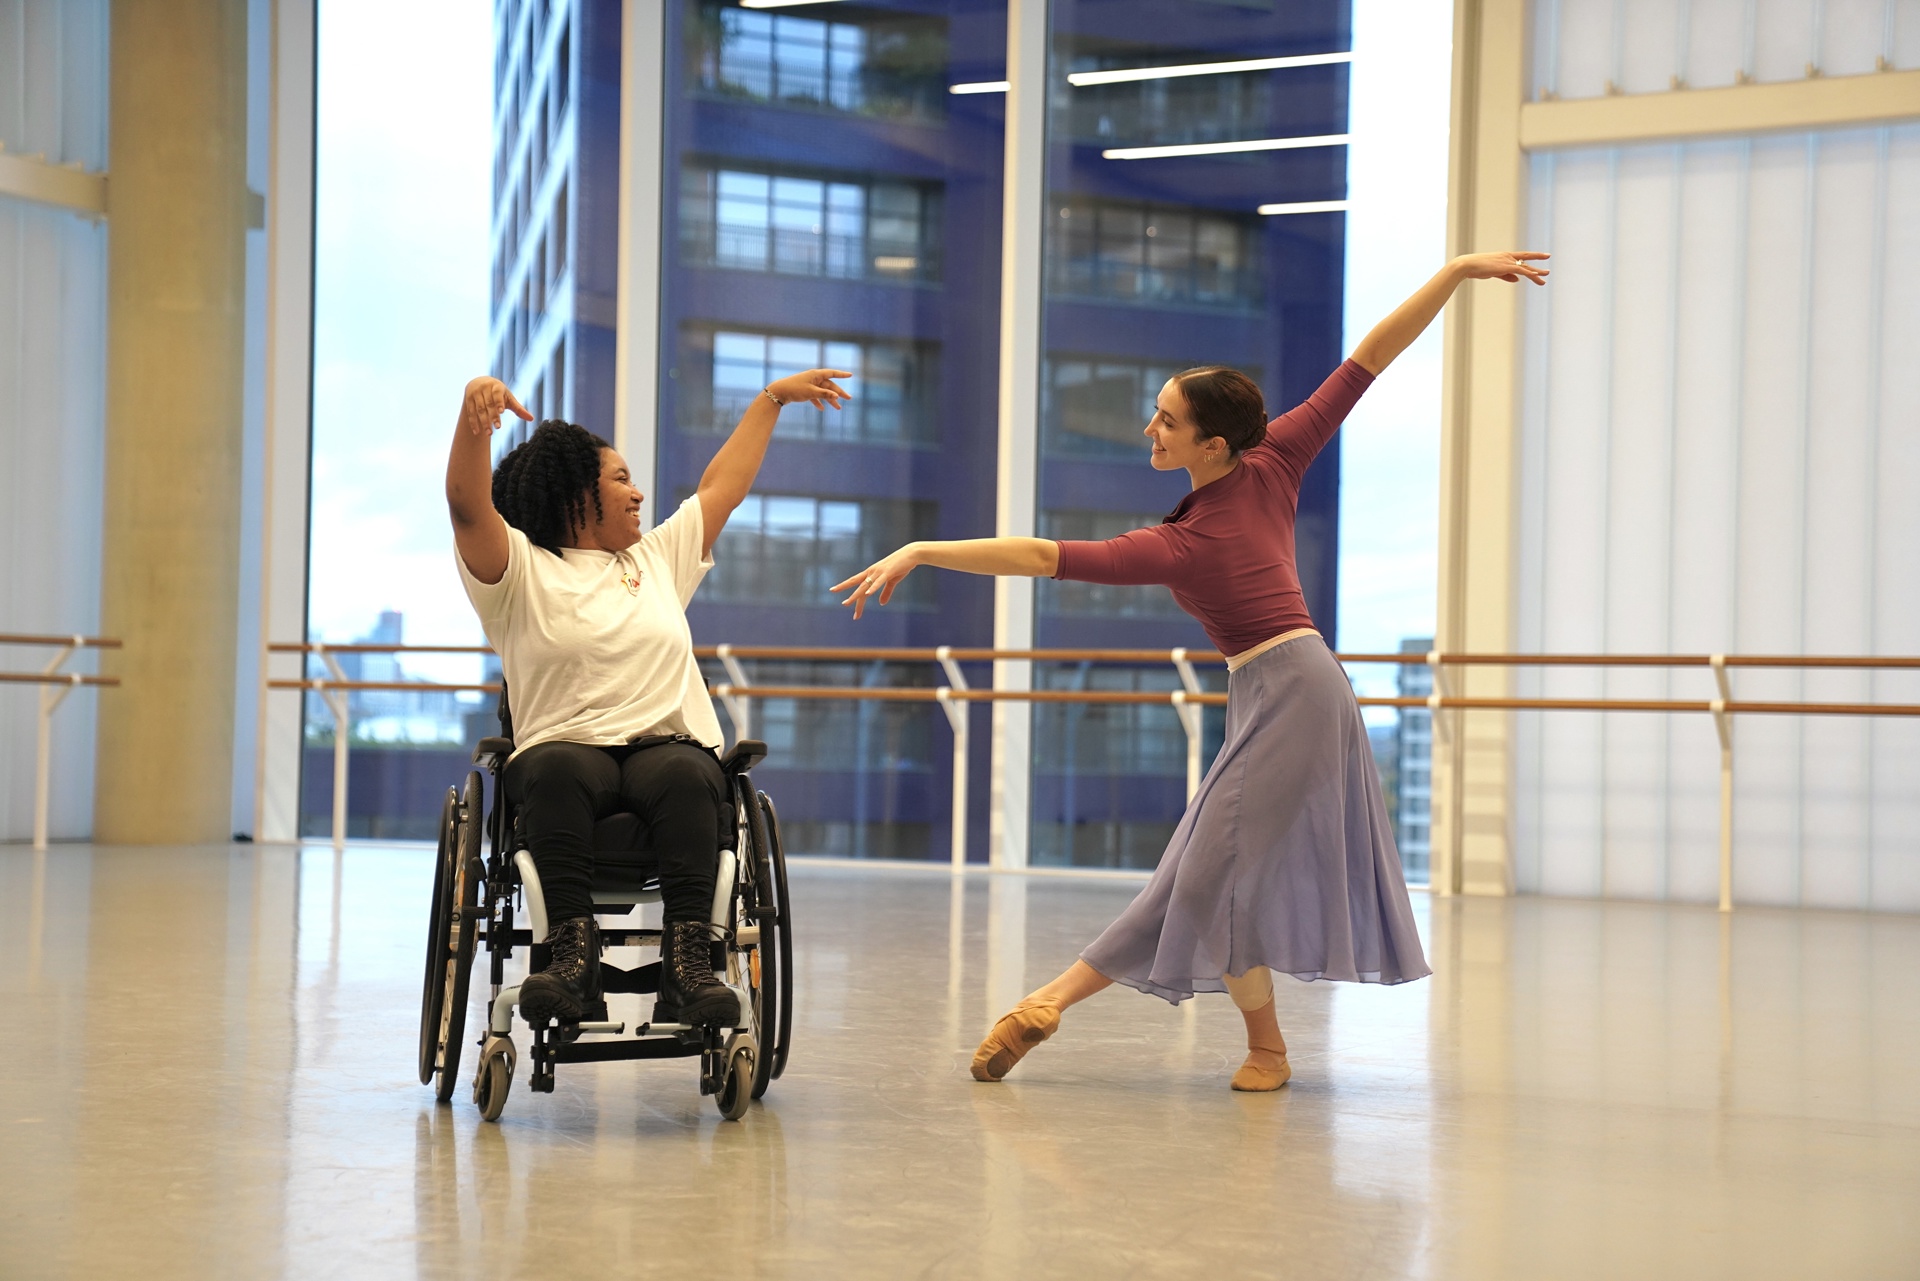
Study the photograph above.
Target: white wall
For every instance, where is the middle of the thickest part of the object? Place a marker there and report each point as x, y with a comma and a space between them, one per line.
53, 100
1721, 445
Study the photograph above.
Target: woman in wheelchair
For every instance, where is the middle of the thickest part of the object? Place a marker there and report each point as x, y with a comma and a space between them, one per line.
610, 712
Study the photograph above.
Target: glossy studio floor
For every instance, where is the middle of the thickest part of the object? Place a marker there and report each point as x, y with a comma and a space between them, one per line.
209, 1074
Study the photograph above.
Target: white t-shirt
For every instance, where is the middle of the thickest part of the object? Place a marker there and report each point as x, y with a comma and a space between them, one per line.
595, 645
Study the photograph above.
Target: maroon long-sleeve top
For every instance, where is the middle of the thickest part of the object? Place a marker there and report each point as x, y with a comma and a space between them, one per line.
1227, 550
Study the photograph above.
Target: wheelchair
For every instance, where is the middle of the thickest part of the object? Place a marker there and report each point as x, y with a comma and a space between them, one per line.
475, 899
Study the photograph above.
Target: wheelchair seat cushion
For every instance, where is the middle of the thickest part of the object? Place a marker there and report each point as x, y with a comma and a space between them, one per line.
620, 842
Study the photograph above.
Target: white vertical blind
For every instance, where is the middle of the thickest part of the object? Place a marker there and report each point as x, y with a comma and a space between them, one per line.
1642, 46
1721, 452
53, 101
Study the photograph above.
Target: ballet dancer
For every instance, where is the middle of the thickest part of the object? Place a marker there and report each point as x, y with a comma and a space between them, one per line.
1284, 860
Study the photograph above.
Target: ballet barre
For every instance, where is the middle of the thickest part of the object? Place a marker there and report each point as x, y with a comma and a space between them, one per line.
54, 685
1188, 701
738, 692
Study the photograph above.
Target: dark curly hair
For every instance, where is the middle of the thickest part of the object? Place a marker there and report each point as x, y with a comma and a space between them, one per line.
1225, 403
543, 486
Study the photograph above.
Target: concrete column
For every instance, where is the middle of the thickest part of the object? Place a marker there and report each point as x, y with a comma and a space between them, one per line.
1479, 451
176, 272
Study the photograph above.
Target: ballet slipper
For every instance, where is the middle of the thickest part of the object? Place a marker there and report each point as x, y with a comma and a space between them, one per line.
1256, 1078
1019, 1030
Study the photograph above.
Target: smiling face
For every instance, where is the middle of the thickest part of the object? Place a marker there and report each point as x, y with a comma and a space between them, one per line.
1176, 441
618, 526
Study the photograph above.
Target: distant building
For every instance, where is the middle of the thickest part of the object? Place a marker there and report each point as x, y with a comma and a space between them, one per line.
827, 200
1384, 741
1413, 766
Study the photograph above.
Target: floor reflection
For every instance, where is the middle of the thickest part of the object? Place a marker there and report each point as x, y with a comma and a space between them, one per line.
214, 1075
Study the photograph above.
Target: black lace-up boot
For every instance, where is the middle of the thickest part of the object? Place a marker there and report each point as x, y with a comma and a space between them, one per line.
689, 991
569, 988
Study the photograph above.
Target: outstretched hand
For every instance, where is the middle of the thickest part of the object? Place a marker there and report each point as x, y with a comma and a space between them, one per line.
815, 386
878, 579
486, 399
1511, 266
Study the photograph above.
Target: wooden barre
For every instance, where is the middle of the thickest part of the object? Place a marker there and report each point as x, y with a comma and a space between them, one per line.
56, 678
959, 654
78, 642
288, 648
807, 653
1145, 698
417, 687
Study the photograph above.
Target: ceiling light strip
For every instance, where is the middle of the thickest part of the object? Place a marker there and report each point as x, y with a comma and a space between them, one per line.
1225, 148
1080, 79
780, 4
979, 86
1305, 206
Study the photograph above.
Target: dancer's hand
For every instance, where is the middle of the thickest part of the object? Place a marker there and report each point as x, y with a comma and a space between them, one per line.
815, 386
1511, 266
880, 578
486, 399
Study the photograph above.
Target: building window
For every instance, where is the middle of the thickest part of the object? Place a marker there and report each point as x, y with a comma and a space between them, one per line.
894, 385
809, 226
1175, 110
557, 233
1152, 253
1097, 406
1100, 599
790, 548
892, 66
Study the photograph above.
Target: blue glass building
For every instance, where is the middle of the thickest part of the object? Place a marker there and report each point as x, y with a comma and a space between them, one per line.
827, 199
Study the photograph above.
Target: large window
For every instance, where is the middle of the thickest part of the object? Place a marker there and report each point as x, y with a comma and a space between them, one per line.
894, 384
401, 298
809, 226
1156, 262
879, 65
830, 203
1157, 254
791, 548
827, 201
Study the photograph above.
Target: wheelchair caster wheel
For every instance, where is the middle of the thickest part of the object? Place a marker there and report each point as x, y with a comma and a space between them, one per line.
494, 1079
736, 1087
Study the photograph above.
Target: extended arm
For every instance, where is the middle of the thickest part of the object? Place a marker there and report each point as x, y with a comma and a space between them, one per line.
1396, 333
478, 531
728, 478
1012, 557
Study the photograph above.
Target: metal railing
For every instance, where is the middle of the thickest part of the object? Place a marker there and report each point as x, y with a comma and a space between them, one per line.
335, 693
54, 685
737, 693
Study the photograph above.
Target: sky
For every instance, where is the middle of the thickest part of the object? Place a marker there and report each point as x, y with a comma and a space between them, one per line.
402, 216
1396, 239
404, 143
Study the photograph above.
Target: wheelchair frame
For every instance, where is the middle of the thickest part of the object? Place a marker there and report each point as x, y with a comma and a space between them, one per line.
474, 902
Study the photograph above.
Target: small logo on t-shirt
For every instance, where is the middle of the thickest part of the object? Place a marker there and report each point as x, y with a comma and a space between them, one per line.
630, 579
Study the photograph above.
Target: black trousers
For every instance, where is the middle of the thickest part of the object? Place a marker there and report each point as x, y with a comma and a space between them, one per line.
562, 789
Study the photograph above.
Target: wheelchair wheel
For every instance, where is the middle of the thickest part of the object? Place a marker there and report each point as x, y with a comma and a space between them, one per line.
736, 1087
767, 976
774, 1050
432, 986
458, 885
494, 1080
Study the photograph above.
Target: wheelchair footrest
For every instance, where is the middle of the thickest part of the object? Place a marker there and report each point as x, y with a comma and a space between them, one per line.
643, 979
654, 1047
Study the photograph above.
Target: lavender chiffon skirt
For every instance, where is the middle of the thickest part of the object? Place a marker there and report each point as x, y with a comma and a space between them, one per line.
1285, 857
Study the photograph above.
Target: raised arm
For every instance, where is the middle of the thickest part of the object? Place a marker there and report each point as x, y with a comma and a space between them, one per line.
1396, 333
1011, 557
478, 531
729, 477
